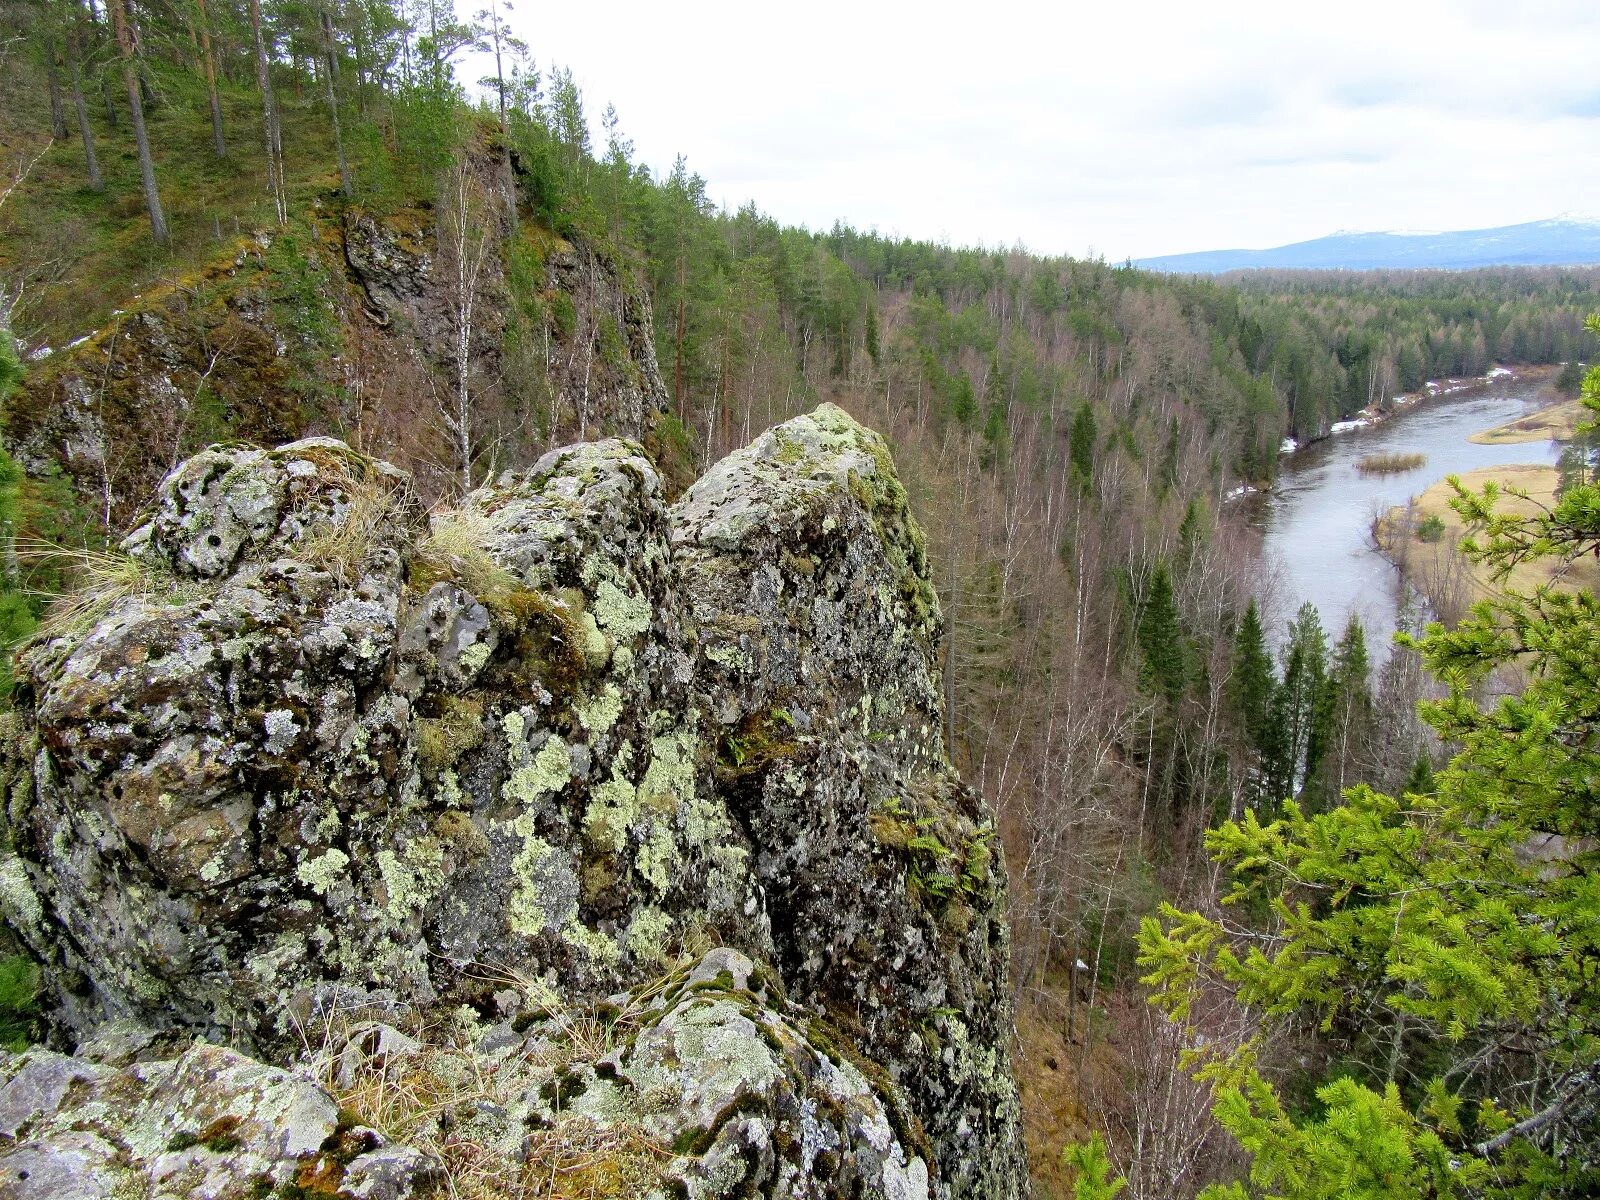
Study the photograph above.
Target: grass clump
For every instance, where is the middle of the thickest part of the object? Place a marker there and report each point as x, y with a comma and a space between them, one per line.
100, 580
1390, 464
373, 506
453, 550
434, 1095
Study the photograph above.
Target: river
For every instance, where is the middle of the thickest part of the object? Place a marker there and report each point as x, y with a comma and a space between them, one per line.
1316, 521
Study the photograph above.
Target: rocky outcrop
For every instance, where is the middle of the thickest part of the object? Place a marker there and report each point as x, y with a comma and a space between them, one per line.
311, 755
349, 323
707, 1084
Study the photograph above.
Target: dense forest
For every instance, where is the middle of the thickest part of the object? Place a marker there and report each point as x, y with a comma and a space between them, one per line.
1069, 431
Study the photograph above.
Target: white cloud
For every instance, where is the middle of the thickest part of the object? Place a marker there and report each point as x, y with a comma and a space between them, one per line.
1133, 128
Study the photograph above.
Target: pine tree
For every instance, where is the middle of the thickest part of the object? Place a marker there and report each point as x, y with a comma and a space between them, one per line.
130, 78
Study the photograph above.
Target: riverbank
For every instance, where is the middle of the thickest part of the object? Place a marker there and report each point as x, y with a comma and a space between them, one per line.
1422, 539
1435, 389
1558, 423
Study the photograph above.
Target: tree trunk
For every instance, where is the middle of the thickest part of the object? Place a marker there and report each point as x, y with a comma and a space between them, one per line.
269, 118
499, 70
677, 353
111, 106
91, 161
209, 58
333, 101
147, 166
58, 116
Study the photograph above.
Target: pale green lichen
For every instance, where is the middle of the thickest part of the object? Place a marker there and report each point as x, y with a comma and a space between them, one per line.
705, 821
526, 912
602, 951
540, 775
472, 659
602, 712
646, 938
411, 882
288, 948
604, 1103
449, 791
320, 874
211, 870
669, 779
621, 613
613, 806
596, 646
728, 655
656, 856
17, 898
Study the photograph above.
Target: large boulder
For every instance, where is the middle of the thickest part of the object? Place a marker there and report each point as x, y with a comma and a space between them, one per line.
304, 755
807, 578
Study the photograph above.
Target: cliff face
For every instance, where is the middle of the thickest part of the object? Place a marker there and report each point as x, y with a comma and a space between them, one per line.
309, 761
351, 324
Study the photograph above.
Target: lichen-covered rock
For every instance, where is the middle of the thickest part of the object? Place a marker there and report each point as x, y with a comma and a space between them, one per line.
209, 1124
806, 576
310, 758
707, 1085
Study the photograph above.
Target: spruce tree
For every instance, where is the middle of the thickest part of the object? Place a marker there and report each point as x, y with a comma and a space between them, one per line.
1083, 439
1160, 634
1252, 688
1347, 726
1299, 712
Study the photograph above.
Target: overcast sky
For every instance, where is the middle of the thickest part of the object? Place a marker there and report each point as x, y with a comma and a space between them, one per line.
1120, 128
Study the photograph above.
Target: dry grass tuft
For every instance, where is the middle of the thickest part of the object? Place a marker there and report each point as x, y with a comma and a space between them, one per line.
1388, 464
434, 1096
454, 550
101, 580
374, 506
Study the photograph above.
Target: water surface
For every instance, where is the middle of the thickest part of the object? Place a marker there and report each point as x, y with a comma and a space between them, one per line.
1316, 522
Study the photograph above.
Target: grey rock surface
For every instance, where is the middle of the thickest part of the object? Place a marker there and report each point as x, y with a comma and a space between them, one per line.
312, 757
211, 1124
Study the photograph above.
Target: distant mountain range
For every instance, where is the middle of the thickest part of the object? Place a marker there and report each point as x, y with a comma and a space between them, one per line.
1564, 240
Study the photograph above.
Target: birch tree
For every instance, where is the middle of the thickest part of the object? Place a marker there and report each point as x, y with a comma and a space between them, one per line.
467, 242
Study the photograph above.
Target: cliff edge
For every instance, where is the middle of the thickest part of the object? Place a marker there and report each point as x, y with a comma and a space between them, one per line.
565, 831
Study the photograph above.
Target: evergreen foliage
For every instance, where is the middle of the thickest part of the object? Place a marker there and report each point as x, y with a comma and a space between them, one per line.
1443, 942
1161, 638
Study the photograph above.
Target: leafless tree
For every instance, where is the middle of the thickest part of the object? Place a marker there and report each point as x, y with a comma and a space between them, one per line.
468, 242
